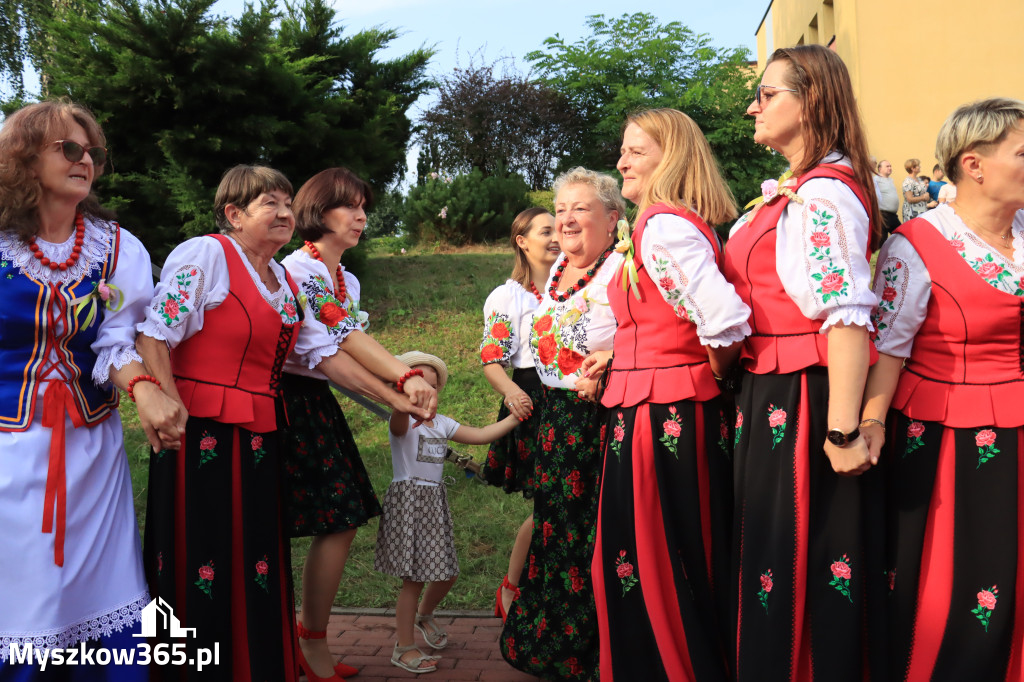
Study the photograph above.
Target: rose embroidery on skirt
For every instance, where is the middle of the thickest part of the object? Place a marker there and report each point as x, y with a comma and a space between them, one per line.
671, 429
206, 448
914, 440
766, 587
986, 605
624, 570
205, 582
777, 420
723, 433
262, 570
618, 433
739, 427
841, 576
985, 439
257, 448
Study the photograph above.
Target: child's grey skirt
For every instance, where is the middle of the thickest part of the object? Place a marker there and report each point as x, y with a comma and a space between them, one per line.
415, 541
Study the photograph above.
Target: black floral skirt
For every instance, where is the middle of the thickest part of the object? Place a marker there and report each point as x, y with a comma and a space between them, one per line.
216, 553
551, 631
510, 460
954, 562
661, 564
808, 544
326, 487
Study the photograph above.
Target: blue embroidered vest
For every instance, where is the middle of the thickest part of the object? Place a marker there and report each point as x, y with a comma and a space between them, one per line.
29, 336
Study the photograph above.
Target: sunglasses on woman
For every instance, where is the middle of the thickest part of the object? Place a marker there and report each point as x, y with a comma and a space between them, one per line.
74, 152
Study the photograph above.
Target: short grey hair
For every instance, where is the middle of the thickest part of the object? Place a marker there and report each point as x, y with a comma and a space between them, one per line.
978, 124
604, 186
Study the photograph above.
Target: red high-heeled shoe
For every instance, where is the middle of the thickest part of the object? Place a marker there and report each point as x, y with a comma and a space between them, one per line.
341, 671
499, 607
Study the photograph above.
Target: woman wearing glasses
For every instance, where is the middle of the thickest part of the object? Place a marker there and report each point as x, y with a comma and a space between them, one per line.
800, 261
74, 284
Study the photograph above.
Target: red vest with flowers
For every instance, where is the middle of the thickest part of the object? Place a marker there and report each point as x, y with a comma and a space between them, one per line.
782, 340
230, 371
658, 357
966, 368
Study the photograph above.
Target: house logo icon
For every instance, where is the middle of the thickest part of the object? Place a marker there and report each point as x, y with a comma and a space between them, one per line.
159, 612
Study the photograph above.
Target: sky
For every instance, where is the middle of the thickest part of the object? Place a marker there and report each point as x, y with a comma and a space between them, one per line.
488, 30
484, 31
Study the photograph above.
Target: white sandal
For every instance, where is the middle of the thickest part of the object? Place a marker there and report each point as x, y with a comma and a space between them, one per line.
432, 633
413, 665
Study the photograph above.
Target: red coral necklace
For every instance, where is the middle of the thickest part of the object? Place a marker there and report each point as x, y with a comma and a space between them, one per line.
533, 288
565, 295
341, 292
76, 250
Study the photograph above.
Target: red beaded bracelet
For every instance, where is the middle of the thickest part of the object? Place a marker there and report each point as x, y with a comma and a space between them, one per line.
135, 380
400, 384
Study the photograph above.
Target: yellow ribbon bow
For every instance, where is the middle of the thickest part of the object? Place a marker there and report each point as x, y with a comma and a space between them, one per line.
111, 296
630, 279
770, 189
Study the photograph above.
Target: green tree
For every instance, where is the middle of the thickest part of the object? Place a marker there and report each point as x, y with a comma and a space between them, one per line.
633, 62
487, 121
183, 95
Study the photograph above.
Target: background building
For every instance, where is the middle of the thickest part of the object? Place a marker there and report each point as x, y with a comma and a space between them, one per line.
912, 63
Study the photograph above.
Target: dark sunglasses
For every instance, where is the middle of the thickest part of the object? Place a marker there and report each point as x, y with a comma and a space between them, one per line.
74, 152
757, 93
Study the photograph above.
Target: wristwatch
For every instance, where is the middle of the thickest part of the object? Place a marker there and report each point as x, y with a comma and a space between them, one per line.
840, 439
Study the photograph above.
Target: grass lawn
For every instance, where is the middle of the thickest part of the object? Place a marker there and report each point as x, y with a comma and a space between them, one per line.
430, 302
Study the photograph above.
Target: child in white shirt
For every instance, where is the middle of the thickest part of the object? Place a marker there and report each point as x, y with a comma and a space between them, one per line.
415, 541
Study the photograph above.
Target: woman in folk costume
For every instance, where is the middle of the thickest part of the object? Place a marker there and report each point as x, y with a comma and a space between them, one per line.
802, 525
661, 564
551, 629
950, 286
215, 549
74, 284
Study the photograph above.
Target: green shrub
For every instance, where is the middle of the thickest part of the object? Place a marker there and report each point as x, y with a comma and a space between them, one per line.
544, 198
385, 220
469, 208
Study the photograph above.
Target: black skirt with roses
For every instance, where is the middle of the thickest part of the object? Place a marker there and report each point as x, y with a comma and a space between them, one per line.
551, 631
510, 459
808, 544
326, 488
954, 551
661, 564
216, 552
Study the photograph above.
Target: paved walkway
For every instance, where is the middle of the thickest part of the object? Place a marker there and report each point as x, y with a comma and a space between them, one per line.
364, 638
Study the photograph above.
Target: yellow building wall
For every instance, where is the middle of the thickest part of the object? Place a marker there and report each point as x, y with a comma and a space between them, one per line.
911, 63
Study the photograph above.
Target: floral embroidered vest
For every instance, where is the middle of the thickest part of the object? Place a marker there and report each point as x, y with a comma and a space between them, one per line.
230, 371
29, 318
966, 368
782, 340
658, 357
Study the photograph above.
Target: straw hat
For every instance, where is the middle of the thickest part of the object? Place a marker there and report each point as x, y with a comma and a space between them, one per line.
415, 357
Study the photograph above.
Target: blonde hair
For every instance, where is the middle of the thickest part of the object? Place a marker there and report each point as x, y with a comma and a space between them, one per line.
241, 185
979, 124
687, 174
604, 186
520, 228
910, 164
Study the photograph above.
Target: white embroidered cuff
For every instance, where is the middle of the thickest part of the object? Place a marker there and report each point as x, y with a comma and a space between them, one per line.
849, 315
726, 337
318, 355
116, 357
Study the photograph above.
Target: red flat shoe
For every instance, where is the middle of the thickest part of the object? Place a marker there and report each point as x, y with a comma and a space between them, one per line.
307, 670
499, 609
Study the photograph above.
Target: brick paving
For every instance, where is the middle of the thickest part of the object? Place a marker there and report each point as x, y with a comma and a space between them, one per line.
364, 638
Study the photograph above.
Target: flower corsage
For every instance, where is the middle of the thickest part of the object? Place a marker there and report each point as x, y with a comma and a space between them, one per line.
772, 189
110, 295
